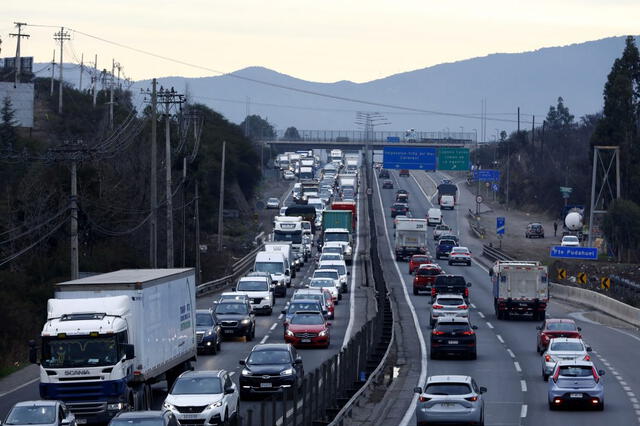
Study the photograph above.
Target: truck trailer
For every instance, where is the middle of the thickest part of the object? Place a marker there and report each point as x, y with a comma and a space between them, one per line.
520, 287
411, 238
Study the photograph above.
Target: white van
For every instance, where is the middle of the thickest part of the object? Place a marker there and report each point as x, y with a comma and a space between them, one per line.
447, 202
434, 217
276, 264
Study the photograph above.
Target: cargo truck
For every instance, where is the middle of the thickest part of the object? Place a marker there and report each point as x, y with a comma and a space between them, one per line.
448, 189
109, 337
288, 230
337, 219
520, 287
348, 205
411, 238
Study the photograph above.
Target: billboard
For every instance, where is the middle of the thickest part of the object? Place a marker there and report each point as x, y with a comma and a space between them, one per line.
409, 158
21, 96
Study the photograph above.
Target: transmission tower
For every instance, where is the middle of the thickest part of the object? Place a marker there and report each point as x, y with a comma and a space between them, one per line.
605, 185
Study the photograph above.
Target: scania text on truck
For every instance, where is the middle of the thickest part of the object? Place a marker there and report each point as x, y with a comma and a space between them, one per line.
108, 337
520, 287
411, 238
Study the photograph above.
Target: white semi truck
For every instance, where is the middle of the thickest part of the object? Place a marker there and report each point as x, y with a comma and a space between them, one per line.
108, 337
520, 287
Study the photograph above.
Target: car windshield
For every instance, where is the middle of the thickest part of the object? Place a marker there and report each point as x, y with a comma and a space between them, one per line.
576, 371
452, 327
458, 250
306, 225
320, 283
326, 274
567, 346
274, 200
419, 259
303, 306
399, 206
330, 256
335, 250
264, 357
204, 320
32, 415
137, 421
449, 301
270, 267
309, 296
196, 386
447, 389
428, 271
252, 286
571, 239
231, 308
442, 228
307, 319
447, 242
337, 236
339, 268
561, 326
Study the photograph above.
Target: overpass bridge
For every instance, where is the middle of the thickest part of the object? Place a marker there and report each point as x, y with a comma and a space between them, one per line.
355, 139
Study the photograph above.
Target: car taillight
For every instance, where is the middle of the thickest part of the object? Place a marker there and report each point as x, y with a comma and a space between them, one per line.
423, 398
472, 398
596, 377
437, 333
545, 338
466, 292
438, 306
433, 291
463, 307
556, 375
468, 332
547, 358
587, 358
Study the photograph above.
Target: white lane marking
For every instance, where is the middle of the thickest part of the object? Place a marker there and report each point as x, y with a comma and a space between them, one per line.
603, 359
625, 333
627, 388
280, 316
423, 346
489, 325
422, 190
481, 314
516, 364
631, 394
273, 327
473, 306
500, 338
287, 195
354, 270
264, 339
523, 385
511, 354
634, 400
523, 411
20, 387
623, 383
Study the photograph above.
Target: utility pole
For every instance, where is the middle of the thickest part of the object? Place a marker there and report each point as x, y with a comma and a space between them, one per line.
18, 35
113, 64
94, 80
153, 222
518, 120
61, 36
533, 132
74, 221
53, 68
221, 202
81, 71
197, 217
508, 168
184, 212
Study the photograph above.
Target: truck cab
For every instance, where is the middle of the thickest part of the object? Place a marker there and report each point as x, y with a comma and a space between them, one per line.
342, 236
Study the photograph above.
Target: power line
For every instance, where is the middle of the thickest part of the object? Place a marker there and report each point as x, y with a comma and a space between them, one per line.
34, 228
26, 249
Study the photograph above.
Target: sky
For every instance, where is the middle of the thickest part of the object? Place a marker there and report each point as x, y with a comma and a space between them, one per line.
319, 40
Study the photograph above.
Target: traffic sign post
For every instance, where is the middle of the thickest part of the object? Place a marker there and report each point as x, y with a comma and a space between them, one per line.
486, 175
500, 225
409, 158
453, 158
583, 253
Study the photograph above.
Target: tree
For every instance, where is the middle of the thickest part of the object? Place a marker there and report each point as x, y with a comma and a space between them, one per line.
619, 125
8, 135
255, 126
291, 134
621, 226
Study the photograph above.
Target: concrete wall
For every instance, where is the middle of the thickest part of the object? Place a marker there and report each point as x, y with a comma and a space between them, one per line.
597, 301
21, 99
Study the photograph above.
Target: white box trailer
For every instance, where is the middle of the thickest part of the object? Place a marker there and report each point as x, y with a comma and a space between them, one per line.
108, 337
520, 287
410, 238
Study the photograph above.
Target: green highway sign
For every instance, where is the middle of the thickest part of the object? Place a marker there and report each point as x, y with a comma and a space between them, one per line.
453, 158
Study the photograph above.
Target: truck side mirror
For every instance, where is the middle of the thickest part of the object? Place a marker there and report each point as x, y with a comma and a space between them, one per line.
129, 351
33, 352
286, 273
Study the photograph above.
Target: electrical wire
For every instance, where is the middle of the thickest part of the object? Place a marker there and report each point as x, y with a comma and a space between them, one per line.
26, 249
34, 228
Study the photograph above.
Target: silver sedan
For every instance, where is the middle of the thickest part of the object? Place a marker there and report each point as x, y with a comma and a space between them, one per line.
451, 399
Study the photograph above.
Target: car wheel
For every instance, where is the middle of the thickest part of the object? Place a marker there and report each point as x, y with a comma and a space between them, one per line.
551, 406
473, 355
245, 395
541, 315
600, 407
415, 291
545, 377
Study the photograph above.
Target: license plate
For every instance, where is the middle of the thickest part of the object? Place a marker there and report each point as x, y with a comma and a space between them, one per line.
228, 331
575, 395
189, 416
305, 340
447, 404
265, 385
81, 421
453, 342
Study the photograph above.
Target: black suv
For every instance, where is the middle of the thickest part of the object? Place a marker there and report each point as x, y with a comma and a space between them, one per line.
208, 331
453, 335
450, 284
444, 247
270, 368
384, 174
534, 229
235, 318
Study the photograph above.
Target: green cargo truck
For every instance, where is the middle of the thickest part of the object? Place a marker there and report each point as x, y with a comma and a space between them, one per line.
337, 219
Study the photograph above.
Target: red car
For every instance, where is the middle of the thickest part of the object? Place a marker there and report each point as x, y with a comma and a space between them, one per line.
556, 327
425, 277
308, 328
417, 260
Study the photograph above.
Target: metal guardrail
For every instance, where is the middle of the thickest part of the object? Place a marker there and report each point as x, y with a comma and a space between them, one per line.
494, 254
474, 222
237, 269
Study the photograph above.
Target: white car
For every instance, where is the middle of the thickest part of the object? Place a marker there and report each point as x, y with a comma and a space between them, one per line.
570, 241
258, 290
213, 392
441, 230
273, 203
448, 305
331, 274
288, 175
563, 349
326, 284
341, 267
460, 255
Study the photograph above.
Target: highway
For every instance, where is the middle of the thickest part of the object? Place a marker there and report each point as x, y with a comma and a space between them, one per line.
507, 363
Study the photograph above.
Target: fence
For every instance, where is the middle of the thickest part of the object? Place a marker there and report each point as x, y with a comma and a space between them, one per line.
237, 270
494, 254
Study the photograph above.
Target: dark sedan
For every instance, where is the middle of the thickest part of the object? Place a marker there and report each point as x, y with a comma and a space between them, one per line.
236, 319
271, 367
208, 332
399, 209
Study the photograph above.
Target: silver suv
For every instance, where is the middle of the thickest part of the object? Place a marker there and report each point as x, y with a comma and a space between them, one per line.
451, 399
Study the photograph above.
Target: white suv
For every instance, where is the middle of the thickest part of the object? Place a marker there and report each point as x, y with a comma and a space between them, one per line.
258, 289
341, 268
213, 393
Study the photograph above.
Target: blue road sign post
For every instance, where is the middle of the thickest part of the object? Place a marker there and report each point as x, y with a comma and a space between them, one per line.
583, 253
500, 225
495, 187
409, 158
487, 175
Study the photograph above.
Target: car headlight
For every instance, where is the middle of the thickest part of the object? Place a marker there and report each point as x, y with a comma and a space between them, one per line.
117, 406
215, 405
245, 322
287, 372
323, 333
288, 333
210, 333
348, 250
246, 372
267, 297
168, 406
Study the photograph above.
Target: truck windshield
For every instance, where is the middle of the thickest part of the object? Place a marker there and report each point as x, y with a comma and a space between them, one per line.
337, 236
80, 351
293, 236
270, 267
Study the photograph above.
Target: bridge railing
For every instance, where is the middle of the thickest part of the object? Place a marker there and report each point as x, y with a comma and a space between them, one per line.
346, 136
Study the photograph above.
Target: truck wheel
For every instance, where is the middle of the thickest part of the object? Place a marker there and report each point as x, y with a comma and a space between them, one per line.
541, 315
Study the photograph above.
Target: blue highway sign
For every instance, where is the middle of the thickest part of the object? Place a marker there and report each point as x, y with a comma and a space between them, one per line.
410, 158
584, 253
500, 225
495, 187
486, 175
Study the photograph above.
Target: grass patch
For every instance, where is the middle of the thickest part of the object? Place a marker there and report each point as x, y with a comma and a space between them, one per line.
10, 369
